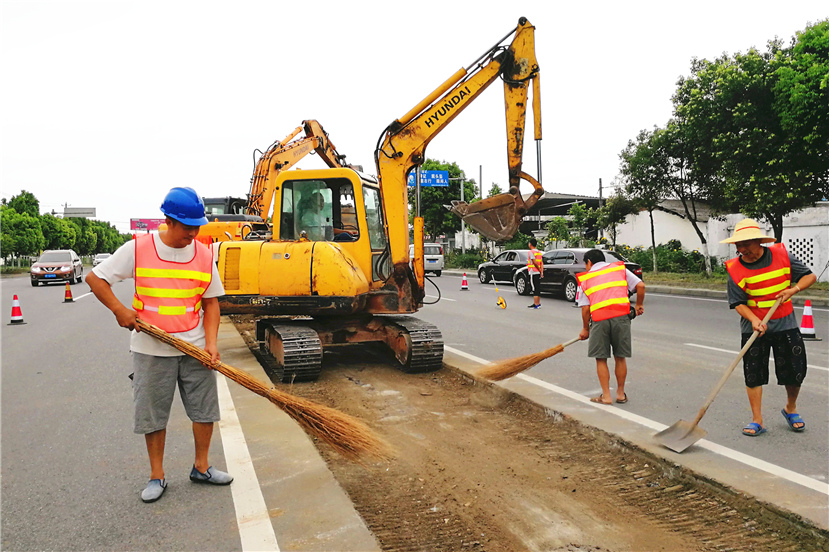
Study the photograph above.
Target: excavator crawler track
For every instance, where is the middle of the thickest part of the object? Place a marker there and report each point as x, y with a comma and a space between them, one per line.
426, 344
292, 353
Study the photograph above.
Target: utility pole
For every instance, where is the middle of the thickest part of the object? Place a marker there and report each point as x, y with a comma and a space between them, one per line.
481, 179
463, 226
600, 206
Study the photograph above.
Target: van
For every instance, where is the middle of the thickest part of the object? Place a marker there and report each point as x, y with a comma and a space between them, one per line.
432, 257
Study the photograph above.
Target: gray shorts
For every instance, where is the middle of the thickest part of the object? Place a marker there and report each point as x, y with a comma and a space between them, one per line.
613, 332
154, 385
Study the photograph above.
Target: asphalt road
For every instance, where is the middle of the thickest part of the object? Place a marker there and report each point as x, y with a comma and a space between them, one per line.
681, 347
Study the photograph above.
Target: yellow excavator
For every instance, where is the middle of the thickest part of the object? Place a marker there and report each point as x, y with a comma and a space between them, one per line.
234, 219
336, 269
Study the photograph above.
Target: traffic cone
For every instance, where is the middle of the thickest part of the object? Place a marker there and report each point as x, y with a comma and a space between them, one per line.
17, 314
807, 324
578, 296
67, 297
464, 284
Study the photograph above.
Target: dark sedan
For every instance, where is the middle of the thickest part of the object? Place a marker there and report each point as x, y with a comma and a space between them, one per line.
502, 268
560, 269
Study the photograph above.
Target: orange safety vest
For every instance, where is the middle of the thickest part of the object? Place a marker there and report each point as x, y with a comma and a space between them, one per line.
764, 284
533, 257
168, 294
607, 291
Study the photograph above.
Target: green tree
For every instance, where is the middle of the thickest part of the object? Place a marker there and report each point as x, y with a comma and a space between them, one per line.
578, 221
25, 202
613, 213
437, 219
558, 230
58, 233
495, 190
85, 238
25, 236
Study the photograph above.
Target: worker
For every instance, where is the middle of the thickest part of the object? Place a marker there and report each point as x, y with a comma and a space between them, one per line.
756, 278
312, 219
535, 270
177, 287
606, 314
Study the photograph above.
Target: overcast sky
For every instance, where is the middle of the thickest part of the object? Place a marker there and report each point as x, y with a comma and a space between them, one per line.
110, 104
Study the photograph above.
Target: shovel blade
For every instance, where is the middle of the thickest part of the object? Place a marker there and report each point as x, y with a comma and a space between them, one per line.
680, 436
496, 217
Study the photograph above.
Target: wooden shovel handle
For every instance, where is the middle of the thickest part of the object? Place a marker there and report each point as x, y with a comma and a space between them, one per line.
730, 368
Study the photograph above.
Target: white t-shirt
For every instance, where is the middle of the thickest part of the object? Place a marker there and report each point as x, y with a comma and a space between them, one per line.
632, 280
121, 266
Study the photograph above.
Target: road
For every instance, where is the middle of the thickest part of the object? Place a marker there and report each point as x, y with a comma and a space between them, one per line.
681, 347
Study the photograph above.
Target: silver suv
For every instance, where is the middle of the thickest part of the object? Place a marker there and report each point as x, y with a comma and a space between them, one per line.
432, 257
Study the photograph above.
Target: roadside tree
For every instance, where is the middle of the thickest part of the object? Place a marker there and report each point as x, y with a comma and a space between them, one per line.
57, 233
437, 219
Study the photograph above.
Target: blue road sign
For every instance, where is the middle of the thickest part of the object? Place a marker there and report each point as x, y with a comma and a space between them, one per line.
430, 178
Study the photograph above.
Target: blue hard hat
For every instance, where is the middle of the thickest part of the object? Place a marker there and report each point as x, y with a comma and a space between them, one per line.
185, 206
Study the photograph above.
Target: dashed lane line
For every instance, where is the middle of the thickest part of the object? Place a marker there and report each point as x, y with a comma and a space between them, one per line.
252, 518
751, 461
736, 352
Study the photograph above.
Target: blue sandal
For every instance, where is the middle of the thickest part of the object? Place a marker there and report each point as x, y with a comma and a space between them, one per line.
794, 418
755, 427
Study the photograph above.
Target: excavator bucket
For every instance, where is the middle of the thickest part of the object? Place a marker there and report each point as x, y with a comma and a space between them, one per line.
496, 217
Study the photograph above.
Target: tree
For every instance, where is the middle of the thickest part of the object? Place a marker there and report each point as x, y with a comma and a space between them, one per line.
495, 190
437, 219
58, 233
646, 173
557, 230
578, 221
25, 236
25, 202
613, 213
85, 238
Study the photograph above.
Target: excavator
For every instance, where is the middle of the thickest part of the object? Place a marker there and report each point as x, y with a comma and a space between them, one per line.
234, 219
336, 269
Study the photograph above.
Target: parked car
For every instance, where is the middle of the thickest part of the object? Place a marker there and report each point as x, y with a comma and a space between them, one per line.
57, 265
560, 269
99, 258
432, 257
502, 268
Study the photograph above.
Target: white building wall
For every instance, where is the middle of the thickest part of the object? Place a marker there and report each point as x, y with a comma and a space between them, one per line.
805, 233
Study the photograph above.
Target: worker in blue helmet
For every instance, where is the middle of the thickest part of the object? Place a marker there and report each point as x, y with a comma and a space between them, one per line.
177, 287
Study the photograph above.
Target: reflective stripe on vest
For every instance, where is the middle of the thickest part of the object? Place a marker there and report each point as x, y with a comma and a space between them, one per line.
169, 294
534, 255
607, 291
764, 284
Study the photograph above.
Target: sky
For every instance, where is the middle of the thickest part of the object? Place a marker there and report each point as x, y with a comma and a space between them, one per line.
111, 104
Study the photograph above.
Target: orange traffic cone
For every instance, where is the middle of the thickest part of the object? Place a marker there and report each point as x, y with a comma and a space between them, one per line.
67, 297
17, 314
578, 296
464, 284
807, 324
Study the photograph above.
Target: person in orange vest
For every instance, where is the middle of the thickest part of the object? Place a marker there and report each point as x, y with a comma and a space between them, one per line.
756, 278
535, 270
177, 287
606, 315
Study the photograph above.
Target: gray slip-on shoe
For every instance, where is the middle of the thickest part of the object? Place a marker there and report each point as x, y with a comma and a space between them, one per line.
212, 476
155, 488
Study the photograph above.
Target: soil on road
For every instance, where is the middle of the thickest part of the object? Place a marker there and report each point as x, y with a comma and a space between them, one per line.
479, 469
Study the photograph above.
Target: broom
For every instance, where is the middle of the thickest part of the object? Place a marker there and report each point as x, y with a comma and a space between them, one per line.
507, 368
347, 435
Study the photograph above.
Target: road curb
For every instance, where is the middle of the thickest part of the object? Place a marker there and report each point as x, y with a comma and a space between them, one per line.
804, 507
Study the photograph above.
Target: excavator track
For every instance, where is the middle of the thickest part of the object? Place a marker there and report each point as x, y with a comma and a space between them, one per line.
292, 353
426, 353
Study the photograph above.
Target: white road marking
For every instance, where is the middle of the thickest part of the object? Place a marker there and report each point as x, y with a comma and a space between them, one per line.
442, 298
255, 527
771, 357
82, 296
762, 465
692, 298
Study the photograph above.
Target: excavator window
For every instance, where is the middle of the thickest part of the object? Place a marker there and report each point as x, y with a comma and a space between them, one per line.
324, 209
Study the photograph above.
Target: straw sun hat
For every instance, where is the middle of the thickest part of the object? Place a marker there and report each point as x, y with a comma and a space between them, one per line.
748, 229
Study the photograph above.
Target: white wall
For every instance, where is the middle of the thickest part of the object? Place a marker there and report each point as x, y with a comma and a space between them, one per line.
805, 233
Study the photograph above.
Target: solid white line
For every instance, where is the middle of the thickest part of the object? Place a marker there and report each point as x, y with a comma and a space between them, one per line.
771, 359
442, 298
255, 527
671, 295
762, 465
82, 296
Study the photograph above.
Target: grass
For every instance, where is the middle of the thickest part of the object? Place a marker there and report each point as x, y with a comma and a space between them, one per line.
716, 281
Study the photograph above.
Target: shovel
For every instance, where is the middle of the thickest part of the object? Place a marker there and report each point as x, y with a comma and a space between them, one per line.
683, 434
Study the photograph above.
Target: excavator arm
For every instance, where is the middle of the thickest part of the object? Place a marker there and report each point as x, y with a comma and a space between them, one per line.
402, 146
283, 155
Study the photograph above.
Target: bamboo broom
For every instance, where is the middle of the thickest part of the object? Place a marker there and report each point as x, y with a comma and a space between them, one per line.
507, 368
346, 434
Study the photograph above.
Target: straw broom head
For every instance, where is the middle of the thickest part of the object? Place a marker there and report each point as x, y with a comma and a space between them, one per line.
346, 434
507, 368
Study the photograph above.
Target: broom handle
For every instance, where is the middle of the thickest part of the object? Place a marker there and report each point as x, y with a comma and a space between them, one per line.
731, 367
566, 343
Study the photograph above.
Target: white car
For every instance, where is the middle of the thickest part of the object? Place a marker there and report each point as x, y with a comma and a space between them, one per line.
99, 258
432, 257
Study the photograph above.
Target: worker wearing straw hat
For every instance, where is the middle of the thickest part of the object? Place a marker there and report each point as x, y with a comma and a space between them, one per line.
177, 287
757, 277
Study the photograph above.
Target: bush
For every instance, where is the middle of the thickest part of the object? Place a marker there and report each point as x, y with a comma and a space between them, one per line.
469, 260
670, 257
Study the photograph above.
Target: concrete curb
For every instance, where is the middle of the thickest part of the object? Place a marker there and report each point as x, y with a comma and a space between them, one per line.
793, 501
